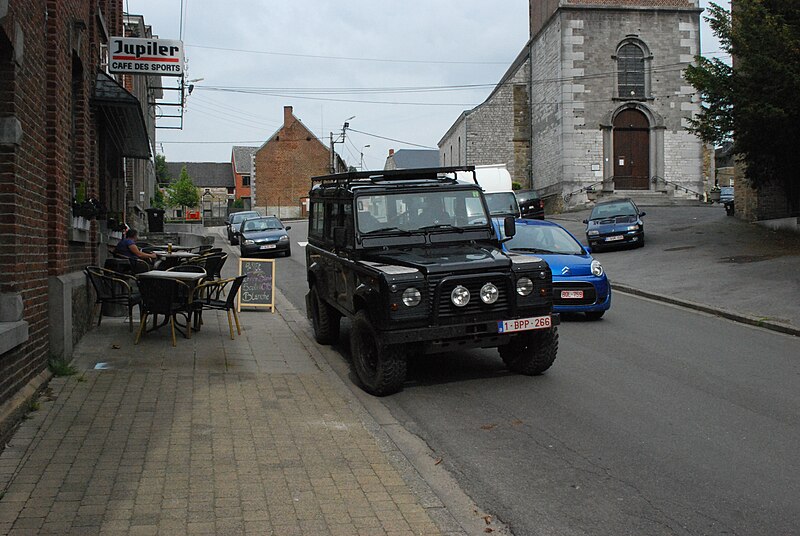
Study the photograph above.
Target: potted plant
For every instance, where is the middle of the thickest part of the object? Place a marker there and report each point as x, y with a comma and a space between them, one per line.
713, 195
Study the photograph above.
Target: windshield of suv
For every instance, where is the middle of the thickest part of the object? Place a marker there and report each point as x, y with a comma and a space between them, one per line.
427, 210
543, 239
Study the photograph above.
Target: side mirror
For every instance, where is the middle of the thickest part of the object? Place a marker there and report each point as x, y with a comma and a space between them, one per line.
588, 249
288, 227
642, 214
339, 237
509, 226
586, 221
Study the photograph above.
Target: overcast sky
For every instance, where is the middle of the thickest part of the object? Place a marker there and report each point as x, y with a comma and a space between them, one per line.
406, 70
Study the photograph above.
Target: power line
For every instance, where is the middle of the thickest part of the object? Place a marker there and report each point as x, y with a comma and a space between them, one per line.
392, 139
349, 58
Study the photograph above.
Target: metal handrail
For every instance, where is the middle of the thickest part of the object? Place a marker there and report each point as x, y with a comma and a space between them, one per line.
677, 186
589, 188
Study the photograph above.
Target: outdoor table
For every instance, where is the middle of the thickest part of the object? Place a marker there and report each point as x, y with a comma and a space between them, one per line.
190, 279
168, 260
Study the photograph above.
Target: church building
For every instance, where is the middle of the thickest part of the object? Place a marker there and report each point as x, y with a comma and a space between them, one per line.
595, 102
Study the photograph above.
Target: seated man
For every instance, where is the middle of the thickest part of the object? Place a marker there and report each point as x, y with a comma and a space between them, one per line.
127, 248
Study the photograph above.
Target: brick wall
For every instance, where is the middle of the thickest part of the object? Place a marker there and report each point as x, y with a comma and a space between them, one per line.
55, 49
283, 168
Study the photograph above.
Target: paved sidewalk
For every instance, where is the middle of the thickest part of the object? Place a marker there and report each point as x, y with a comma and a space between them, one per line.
250, 436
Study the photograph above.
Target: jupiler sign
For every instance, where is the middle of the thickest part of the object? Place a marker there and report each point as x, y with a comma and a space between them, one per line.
160, 57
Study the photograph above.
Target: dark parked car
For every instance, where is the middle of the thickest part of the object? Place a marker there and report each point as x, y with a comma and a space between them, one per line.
235, 221
531, 206
414, 284
258, 236
580, 284
616, 222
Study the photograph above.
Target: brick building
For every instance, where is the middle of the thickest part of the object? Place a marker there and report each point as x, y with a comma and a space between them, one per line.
66, 128
284, 165
596, 98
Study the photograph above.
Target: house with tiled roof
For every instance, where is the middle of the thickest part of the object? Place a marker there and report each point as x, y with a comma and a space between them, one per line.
283, 167
242, 165
213, 179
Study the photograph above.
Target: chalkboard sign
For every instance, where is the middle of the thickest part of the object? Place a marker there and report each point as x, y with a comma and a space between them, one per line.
258, 288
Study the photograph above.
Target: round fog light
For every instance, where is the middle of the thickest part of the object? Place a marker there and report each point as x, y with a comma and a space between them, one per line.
411, 297
489, 293
460, 296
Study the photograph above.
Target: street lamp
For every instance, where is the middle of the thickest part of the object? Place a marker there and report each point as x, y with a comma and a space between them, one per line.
362, 157
339, 139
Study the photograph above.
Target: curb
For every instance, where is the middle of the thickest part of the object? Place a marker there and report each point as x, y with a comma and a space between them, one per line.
736, 317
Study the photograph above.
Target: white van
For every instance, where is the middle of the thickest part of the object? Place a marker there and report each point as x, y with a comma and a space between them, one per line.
495, 181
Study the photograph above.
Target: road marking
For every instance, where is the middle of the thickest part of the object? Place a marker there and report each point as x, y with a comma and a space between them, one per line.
302, 244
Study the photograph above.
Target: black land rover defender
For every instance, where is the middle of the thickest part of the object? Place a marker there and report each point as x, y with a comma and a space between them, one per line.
412, 258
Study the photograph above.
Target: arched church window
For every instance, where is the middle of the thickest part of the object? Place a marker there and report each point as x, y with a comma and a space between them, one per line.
632, 70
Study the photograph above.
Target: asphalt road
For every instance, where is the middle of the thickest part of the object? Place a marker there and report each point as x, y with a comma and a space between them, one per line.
655, 420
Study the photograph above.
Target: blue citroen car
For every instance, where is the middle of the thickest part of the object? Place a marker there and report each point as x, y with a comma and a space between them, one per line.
580, 284
617, 222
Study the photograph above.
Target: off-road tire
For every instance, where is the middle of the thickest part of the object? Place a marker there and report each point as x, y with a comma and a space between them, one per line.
380, 369
532, 353
324, 319
594, 315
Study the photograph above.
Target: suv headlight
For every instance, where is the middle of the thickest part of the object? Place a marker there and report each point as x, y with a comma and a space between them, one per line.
460, 296
633, 227
597, 268
248, 242
524, 286
593, 233
412, 297
489, 293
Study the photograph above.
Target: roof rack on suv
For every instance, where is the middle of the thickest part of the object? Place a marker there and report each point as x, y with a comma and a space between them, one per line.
388, 175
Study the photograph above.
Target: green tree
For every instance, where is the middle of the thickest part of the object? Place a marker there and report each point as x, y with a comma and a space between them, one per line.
162, 173
183, 192
158, 200
754, 103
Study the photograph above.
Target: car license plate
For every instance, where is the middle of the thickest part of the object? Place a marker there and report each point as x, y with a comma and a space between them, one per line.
571, 294
524, 324
268, 246
613, 238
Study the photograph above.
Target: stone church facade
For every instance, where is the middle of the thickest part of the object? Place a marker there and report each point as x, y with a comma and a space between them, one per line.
595, 100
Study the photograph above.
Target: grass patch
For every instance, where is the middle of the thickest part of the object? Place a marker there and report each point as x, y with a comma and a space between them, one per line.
61, 367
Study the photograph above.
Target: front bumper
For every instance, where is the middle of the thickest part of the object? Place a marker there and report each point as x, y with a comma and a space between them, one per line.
628, 238
597, 295
255, 249
436, 339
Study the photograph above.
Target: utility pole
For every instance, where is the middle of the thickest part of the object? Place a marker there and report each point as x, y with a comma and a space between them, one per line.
339, 139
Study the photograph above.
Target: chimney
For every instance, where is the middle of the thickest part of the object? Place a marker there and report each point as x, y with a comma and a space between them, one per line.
287, 115
391, 152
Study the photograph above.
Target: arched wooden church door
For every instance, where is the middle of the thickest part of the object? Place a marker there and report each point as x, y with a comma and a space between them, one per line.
631, 151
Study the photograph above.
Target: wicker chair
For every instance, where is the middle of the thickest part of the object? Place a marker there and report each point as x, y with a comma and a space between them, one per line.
114, 288
214, 264
168, 297
218, 295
